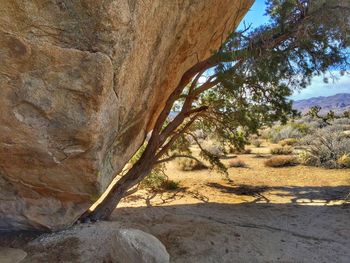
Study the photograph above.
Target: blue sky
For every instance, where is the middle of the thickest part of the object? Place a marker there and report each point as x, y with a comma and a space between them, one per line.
256, 17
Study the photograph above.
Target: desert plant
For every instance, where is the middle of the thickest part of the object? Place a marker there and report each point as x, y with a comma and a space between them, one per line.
236, 163
170, 185
256, 142
241, 151
213, 148
281, 161
157, 180
328, 147
306, 158
278, 133
153, 181
288, 142
247, 151
186, 164
344, 161
282, 150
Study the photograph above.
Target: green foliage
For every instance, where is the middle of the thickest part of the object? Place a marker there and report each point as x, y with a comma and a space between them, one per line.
158, 181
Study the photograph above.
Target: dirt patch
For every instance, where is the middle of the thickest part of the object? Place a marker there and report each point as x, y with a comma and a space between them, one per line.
262, 214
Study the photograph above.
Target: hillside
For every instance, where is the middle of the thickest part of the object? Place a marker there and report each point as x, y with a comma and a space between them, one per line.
338, 103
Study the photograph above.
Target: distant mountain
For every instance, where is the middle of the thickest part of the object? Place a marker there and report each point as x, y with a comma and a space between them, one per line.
338, 103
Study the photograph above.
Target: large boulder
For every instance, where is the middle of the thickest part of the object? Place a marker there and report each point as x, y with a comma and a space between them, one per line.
81, 83
100, 242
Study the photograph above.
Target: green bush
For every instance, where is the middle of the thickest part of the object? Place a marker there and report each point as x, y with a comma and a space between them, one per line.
158, 181
281, 161
282, 150
170, 185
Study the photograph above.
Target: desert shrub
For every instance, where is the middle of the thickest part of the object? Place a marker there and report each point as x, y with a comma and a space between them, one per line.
153, 180
344, 161
265, 133
246, 151
242, 151
212, 148
157, 180
282, 150
327, 147
186, 164
281, 161
341, 121
256, 142
288, 142
286, 132
306, 158
170, 185
310, 122
236, 163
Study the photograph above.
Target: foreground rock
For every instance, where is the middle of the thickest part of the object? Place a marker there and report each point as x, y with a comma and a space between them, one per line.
11, 255
100, 242
81, 83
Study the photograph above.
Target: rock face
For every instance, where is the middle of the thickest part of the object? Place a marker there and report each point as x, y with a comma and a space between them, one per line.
100, 242
81, 83
11, 255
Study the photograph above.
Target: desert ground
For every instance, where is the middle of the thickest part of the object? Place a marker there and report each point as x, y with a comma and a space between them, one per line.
258, 214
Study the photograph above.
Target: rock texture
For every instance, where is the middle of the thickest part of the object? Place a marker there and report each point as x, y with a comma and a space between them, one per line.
100, 242
81, 83
11, 255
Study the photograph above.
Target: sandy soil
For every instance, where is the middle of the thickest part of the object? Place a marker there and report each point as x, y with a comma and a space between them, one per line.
295, 214
261, 214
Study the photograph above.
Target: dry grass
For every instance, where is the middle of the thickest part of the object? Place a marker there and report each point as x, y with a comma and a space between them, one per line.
186, 164
281, 161
236, 163
289, 142
282, 150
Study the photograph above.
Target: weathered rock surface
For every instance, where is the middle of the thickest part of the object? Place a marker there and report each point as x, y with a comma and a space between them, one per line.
100, 242
11, 255
81, 83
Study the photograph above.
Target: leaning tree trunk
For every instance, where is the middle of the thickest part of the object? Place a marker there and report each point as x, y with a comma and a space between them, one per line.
158, 144
135, 175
